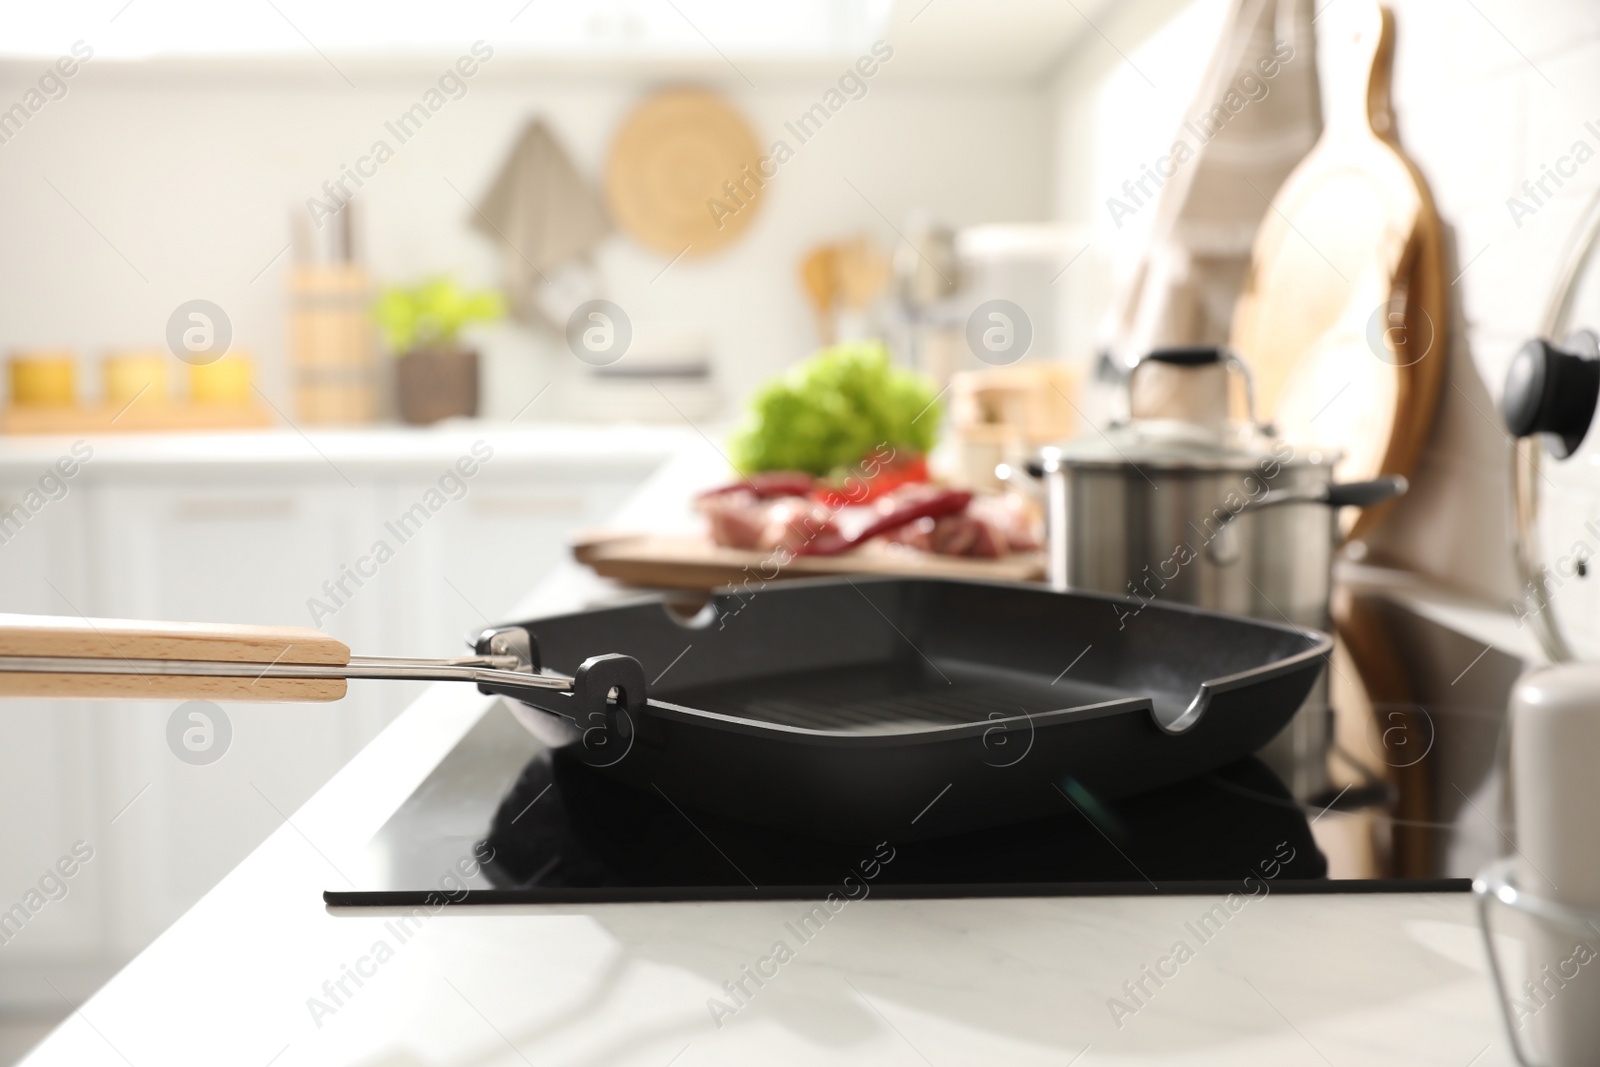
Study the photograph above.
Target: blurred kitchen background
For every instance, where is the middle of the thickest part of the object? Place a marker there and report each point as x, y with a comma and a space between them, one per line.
176, 164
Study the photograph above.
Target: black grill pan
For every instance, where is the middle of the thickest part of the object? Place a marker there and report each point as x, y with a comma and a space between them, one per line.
904, 709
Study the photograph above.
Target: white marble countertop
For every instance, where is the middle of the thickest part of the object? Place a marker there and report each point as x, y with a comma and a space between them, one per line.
385, 447
1349, 979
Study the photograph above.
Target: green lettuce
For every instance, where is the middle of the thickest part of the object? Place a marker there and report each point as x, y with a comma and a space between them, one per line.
832, 409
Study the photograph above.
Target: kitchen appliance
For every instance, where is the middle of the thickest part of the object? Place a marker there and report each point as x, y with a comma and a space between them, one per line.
1222, 515
1550, 890
1547, 895
1550, 996
838, 709
547, 828
503, 819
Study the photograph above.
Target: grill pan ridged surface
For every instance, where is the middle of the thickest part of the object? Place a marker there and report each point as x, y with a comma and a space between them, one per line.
889, 698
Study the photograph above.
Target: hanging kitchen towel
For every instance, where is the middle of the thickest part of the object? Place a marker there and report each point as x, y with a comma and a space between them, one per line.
543, 213
1257, 113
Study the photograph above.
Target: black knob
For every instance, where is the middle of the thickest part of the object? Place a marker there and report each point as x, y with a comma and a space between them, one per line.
1552, 391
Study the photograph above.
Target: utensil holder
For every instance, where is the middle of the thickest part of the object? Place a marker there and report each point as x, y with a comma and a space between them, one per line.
331, 340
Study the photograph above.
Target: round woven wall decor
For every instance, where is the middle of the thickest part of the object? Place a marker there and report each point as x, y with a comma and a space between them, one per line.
684, 173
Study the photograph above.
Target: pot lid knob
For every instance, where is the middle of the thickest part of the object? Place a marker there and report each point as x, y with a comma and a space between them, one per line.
1553, 391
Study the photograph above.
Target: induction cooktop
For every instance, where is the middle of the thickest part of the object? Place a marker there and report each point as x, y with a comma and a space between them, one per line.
505, 820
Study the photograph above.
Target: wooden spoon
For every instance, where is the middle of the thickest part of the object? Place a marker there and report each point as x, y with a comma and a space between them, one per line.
819, 276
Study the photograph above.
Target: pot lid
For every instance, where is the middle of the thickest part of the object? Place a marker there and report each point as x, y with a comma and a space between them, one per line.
1168, 444
1558, 456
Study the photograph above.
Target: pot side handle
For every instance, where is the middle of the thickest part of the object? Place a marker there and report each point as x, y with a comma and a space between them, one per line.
1338, 495
1365, 494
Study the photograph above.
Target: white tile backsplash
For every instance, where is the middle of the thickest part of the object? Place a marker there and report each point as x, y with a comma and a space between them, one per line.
1446, 133
1536, 30
1479, 119
1488, 92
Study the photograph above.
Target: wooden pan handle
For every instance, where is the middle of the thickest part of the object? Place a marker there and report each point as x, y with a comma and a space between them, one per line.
252, 647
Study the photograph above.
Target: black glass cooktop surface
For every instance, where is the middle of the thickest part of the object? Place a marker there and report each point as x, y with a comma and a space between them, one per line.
504, 820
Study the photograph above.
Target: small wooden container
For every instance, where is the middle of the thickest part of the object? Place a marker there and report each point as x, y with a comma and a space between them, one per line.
1003, 414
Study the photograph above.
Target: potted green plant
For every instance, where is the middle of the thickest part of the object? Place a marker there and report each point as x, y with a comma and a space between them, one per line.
436, 375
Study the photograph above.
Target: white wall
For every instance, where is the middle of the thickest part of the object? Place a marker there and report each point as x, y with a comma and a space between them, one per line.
190, 175
1107, 120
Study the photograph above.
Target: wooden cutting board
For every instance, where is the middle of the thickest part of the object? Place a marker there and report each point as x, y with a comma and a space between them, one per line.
693, 562
1343, 318
1344, 323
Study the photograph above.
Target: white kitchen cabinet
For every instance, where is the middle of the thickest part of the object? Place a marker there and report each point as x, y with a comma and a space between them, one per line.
479, 555
49, 784
215, 546
221, 548
263, 530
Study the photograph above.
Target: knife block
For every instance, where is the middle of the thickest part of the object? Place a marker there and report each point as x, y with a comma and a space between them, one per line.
331, 343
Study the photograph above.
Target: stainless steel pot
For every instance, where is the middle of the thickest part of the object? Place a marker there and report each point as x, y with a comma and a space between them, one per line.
1220, 515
